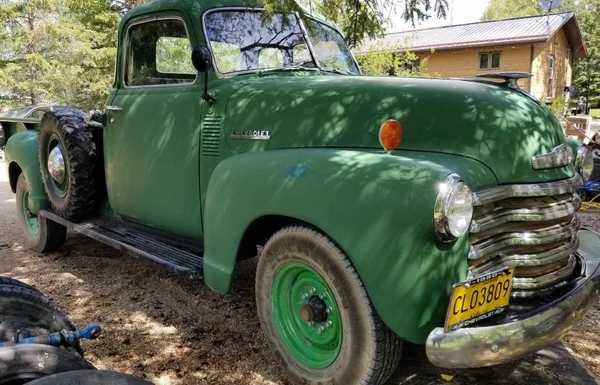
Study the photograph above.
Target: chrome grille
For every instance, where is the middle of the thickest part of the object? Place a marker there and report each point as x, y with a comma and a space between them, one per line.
532, 228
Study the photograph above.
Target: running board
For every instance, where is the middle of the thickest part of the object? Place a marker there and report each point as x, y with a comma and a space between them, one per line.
123, 237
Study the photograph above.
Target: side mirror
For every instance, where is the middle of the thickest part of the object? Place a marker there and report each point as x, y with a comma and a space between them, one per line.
201, 59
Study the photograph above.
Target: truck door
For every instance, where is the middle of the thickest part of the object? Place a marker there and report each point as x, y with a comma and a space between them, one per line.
151, 143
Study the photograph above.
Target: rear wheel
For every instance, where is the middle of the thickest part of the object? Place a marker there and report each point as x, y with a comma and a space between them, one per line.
41, 234
317, 316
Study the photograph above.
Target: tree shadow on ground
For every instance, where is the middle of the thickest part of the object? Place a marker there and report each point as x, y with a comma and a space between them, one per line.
554, 365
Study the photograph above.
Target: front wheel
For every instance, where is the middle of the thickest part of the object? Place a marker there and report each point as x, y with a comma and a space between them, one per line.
41, 234
317, 316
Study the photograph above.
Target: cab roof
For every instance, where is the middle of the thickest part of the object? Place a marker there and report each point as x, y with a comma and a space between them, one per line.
194, 7
188, 7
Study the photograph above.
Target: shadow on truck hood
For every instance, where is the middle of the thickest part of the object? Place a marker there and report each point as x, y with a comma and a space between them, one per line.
500, 127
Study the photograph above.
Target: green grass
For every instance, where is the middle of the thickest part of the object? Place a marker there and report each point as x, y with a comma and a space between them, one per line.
595, 112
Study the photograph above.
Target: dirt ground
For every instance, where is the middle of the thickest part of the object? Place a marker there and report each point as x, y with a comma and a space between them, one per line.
171, 330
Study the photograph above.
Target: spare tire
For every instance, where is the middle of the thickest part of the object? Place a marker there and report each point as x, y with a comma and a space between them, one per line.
69, 163
90, 377
23, 363
26, 312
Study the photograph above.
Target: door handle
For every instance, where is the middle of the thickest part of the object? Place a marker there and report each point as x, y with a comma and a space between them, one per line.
114, 108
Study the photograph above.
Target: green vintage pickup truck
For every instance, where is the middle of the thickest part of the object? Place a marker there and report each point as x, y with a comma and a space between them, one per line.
382, 210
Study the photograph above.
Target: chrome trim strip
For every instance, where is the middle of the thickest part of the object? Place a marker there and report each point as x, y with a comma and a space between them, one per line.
477, 347
494, 219
529, 260
560, 156
527, 190
532, 283
556, 233
535, 293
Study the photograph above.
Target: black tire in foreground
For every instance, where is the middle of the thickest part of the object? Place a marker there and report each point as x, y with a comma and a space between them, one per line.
23, 363
25, 312
335, 336
41, 234
7, 281
67, 142
90, 377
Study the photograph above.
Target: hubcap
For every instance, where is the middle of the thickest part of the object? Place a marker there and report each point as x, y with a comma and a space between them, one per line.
306, 316
56, 165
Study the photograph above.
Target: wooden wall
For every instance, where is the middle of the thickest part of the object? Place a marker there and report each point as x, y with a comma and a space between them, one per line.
527, 57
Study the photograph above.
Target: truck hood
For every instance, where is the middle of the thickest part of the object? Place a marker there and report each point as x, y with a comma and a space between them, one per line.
495, 125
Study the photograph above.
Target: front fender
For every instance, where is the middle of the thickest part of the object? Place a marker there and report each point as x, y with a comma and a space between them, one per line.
22, 149
377, 207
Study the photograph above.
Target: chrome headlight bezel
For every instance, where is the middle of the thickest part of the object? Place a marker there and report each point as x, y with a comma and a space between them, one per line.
584, 163
449, 225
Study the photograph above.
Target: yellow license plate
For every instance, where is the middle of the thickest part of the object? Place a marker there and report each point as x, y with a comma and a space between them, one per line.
479, 298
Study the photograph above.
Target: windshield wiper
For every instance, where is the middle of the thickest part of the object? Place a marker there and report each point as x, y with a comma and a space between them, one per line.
298, 67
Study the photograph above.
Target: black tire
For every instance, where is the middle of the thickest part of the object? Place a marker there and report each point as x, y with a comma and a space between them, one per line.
90, 377
77, 196
46, 235
23, 363
26, 312
369, 351
7, 281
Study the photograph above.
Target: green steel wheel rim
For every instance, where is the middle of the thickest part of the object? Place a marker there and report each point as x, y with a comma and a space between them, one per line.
306, 315
31, 221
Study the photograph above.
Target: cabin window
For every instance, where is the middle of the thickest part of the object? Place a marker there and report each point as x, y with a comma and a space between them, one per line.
158, 52
489, 60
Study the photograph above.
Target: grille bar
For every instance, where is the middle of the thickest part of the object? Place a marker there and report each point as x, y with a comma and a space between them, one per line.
531, 260
547, 236
531, 228
527, 190
558, 210
547, 279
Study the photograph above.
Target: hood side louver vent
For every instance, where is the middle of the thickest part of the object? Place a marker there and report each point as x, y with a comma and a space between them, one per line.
211, 135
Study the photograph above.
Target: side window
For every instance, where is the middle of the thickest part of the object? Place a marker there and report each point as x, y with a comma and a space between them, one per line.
270, 58
173, 56
301, 53
483, 60
158, 52
489, 60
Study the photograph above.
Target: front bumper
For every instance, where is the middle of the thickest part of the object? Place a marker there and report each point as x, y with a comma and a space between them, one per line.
491, 345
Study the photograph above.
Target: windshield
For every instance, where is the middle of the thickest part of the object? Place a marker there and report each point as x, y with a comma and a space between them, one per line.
243, 41
330, 48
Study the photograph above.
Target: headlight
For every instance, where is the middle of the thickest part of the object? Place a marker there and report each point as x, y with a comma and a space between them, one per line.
453, 209
585, 162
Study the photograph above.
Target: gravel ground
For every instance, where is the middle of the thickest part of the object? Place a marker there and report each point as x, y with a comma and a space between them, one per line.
172, 331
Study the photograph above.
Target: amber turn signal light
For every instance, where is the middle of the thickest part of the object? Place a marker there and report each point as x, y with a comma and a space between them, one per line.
390, 134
